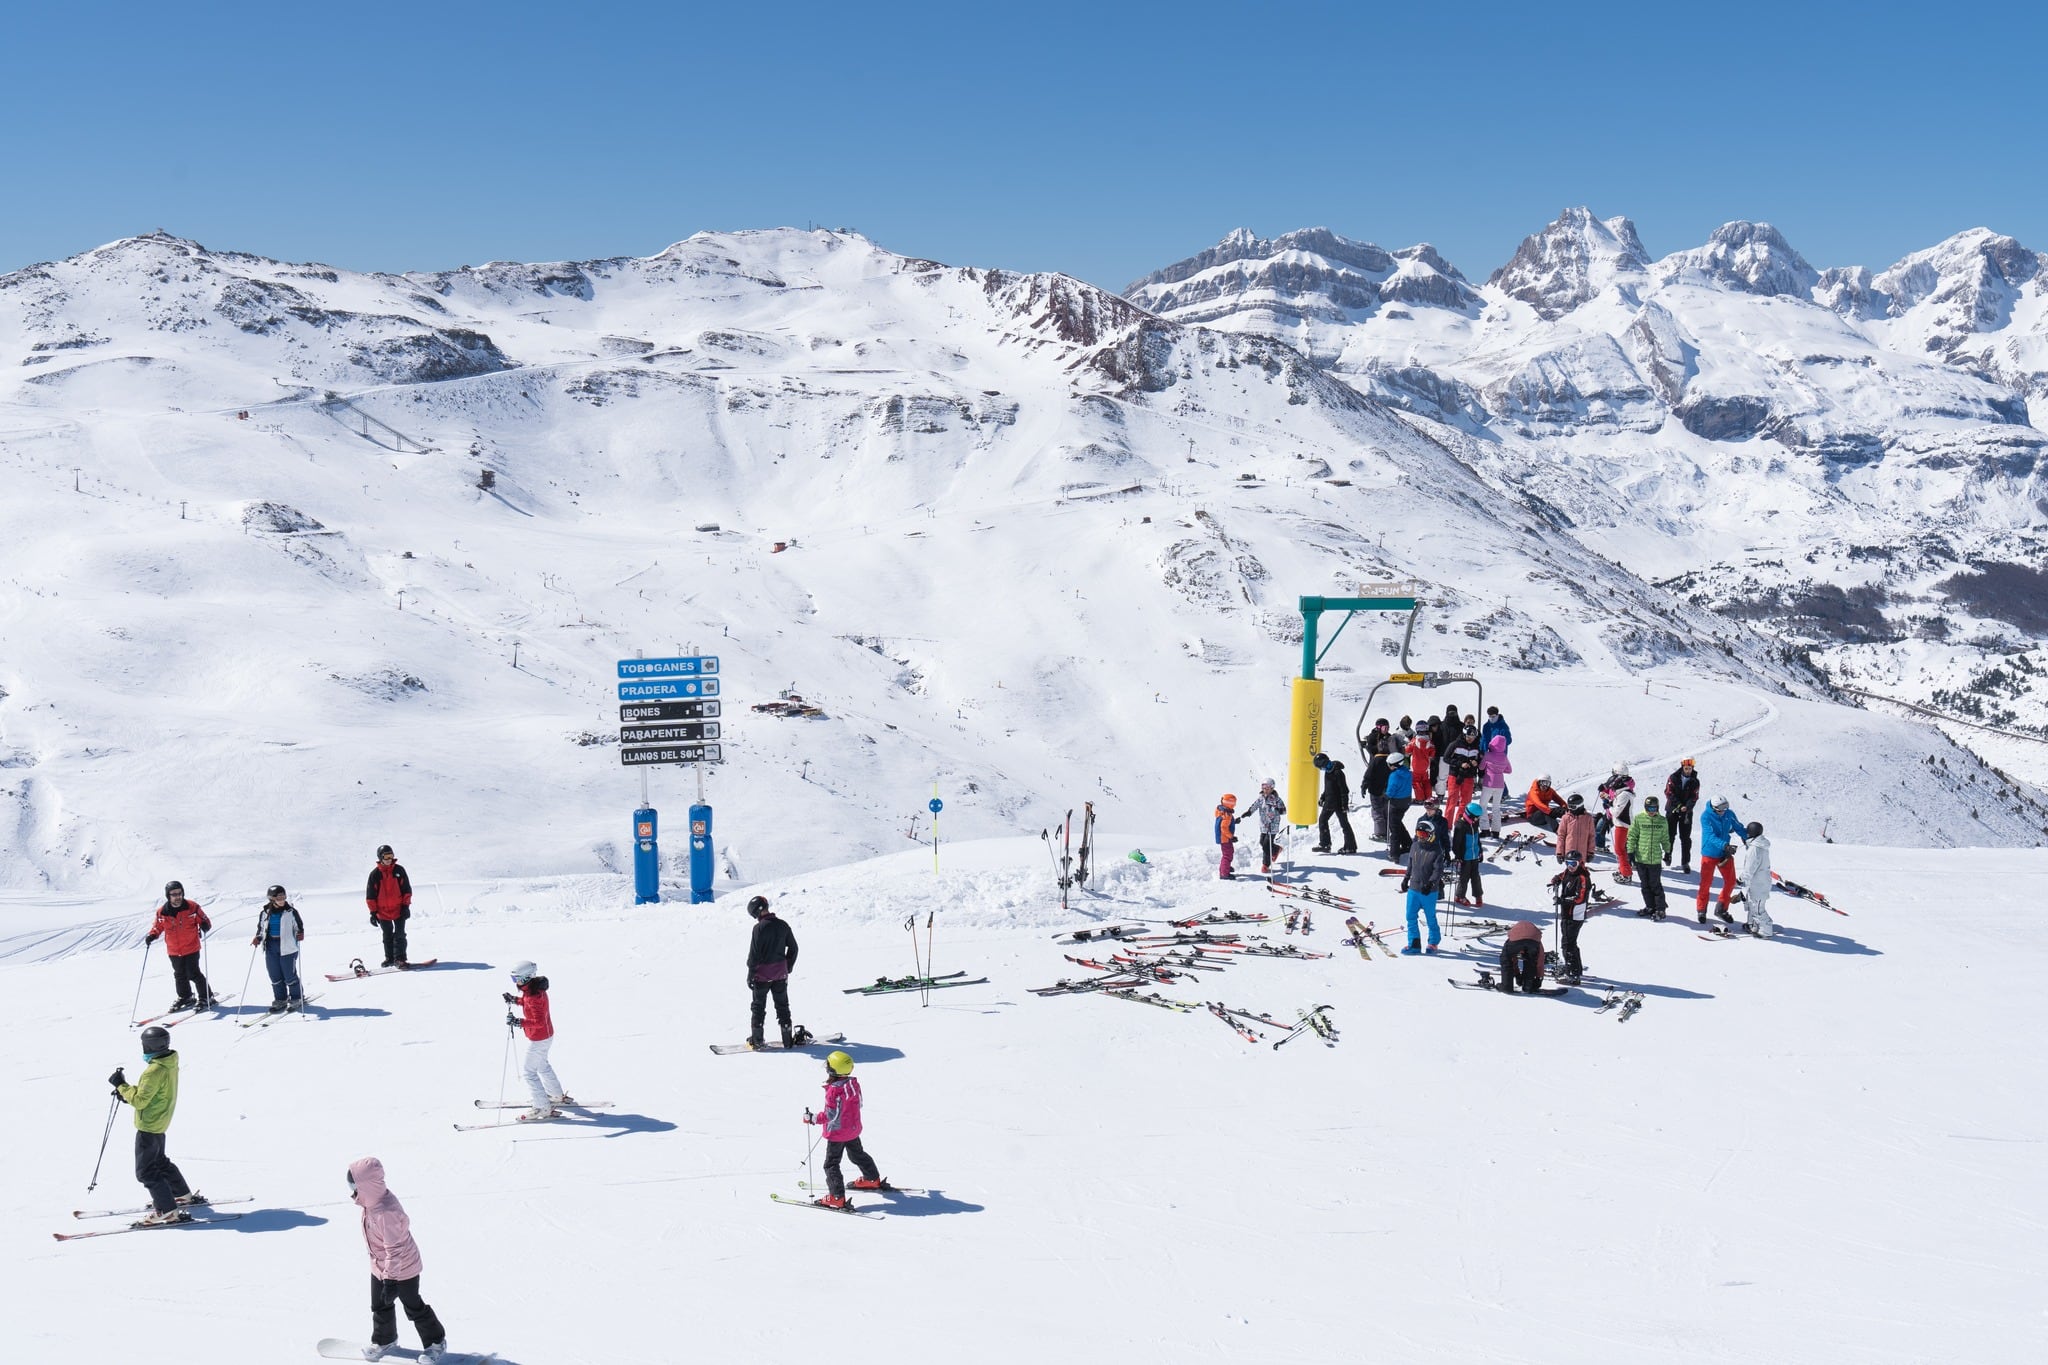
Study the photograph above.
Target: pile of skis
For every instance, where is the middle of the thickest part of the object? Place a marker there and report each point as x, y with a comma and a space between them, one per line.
1246, 1024
1069, 870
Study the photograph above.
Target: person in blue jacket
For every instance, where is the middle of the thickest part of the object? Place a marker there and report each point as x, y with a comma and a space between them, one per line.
1719, 825
1496, 724
1400, 796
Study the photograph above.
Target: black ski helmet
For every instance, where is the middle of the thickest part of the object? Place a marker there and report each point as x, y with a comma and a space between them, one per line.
275, 891
169, 887
758, 906
155, 1039
1575, 802
384, 850
1754, 830
1650, 804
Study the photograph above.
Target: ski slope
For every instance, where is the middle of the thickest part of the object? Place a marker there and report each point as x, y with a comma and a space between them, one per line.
1807, 1150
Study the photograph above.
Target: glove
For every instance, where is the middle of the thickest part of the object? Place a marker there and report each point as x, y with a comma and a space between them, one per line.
511, 1021
149, 937
809, 1117
373, 918
119, 1078
256, 940
511, 999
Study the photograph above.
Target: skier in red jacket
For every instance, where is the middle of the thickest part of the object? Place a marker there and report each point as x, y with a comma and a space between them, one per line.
539, 1026
181, 924
389, 896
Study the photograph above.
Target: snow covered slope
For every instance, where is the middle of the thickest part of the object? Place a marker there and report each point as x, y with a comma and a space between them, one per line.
1805, 1151
1041, 546
1777, 435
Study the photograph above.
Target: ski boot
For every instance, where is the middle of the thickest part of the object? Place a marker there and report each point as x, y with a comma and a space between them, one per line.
833, 1201
165, 1219
1430, 949
788, 1036
378, 1352
186, 1201
277, 1006
757, 1044
1414, 948
1703, 919
563, 1101
1722, 911
545, 1111
434, 1353
866, 1184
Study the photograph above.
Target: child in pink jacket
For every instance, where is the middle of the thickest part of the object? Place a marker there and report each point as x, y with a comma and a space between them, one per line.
841, 1122
394, 1265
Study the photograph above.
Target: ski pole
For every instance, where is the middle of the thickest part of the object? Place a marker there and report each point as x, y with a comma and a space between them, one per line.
136, 1008
811, 1139
505, 1066
930, 963
247, 972
112, 1105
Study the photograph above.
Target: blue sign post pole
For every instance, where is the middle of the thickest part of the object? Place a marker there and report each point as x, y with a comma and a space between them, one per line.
646, 857
701, 861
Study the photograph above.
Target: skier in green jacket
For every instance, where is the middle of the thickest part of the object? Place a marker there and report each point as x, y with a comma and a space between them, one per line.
1649, 839
155, 1098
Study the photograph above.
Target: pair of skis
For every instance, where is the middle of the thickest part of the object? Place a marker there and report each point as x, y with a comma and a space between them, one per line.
267, 1018
1312, 893
1805, 893
1316, 1021
1066, 870
564, 1111
171, 1018
194, 1209
1628, 1002
884, 985
1363, 934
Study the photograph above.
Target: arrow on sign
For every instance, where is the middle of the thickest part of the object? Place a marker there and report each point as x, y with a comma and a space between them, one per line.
641, 712
688, 666
672, 753
668, 734
673, 687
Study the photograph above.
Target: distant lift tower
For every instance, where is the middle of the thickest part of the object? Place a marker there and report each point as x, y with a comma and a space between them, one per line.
1305, 732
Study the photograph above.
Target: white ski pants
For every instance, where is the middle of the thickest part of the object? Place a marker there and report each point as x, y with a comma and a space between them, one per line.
1493, 798
1753, 898
540, 1077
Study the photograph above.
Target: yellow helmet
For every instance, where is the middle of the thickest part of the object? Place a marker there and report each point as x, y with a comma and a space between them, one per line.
840, 1064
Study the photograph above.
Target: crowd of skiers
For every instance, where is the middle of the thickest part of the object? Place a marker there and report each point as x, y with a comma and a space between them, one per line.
1454, 771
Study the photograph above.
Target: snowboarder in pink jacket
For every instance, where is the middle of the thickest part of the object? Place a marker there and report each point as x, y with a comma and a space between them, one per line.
841, 1122
394, 1265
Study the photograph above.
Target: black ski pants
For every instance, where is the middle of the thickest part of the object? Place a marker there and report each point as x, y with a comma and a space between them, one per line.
1468, 876
1343, 819
191, 981
1573, 963
158, 1174
1681, 839
394, 940
834, 1181
762, 990
1399, 840
1521, 964
1378, 802
1653, 887
385, 1296
1269, 850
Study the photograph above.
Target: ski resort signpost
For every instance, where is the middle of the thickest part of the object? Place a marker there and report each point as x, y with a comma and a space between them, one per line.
669, 713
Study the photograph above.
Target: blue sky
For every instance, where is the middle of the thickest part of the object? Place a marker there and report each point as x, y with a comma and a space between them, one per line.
1100, 139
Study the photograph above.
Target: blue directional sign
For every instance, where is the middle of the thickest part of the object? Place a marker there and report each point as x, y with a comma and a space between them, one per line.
668, 687
688, 666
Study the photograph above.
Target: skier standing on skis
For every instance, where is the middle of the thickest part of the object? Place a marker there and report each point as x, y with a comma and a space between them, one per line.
771, 957
1400, 796
1379, 747
1422, 759
1621, 805
1543, 804
1493, 780
1681, 798
389, 896
1334, 805
1718, 827
1226, 834
1521, 959
279, 929
1424, 882
1756, 881
1461, 766
1570, 890
154, 1097
1272, 811
394, 1265
841, 1121
1466, 849
181, 924
537, 1020
1575, 831
1649, 839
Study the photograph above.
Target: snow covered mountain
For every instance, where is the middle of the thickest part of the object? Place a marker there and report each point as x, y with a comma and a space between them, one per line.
1852, 461
295, 557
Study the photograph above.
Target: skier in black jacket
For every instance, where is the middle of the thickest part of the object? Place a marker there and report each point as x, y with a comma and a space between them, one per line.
1336, 803
771, 957
1681, 798
1379, 745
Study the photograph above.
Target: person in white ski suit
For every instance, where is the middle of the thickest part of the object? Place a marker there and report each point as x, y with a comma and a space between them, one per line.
1756, 881
1271, 810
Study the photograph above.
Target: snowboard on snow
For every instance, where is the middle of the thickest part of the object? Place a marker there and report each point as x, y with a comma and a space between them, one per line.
337, 1348
728, 1049
358, 969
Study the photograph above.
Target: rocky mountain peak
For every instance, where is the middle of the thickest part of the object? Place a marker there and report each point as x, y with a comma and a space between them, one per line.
1571, 261
1970, 279
1754, 258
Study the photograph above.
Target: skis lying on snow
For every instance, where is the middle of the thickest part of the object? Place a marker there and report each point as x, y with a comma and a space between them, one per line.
1360, 936
1216, 916
1804, 893
146, 1227
820, 1205
145, 1208
356, 969
1310, 893
1316, 1021
1277, 950
334, 1348
729, 1049
266, 1019
1154, 998
1628, 1002
892, 985
1106, 931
